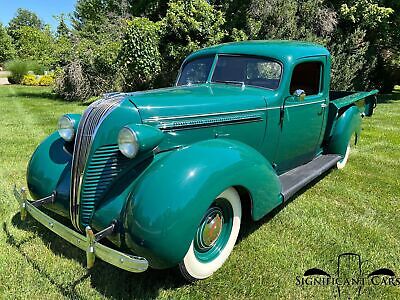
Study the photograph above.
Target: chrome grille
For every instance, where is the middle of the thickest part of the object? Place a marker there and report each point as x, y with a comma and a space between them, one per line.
90, 121
101, 170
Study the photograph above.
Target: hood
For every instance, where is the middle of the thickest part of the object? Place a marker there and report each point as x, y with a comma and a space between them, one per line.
197, 100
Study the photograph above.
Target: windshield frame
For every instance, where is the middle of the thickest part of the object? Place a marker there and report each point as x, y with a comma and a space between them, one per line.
210, 73
214, 64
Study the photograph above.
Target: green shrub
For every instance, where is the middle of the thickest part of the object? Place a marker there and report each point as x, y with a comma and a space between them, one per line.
139, 57
30, 79
71, 82
19, 68
46, 80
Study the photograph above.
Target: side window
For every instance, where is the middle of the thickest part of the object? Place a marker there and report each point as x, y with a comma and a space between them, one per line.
263, 73
306, 76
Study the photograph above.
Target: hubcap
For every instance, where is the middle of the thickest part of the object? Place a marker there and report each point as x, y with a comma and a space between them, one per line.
210, 229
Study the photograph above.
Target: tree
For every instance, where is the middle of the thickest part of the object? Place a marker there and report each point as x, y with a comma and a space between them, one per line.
62, 28
154, 10
93, 16
309, 20
378, 20
7, 50
188, 26
23, 18
36, 45
139, 56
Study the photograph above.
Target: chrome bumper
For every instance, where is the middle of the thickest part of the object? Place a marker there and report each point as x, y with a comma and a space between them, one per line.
87, 243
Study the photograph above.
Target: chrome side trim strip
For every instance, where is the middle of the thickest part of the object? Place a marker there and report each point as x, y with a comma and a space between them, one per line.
158, 118
190, 124
303, 104
155, 119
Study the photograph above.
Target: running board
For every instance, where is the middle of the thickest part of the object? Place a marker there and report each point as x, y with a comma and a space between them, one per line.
294, 180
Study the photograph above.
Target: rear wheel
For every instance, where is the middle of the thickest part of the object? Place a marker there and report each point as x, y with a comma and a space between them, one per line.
215, 237
342, 163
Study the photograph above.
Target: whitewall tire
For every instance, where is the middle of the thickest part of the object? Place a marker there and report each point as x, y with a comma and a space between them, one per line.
215, 237
342, 163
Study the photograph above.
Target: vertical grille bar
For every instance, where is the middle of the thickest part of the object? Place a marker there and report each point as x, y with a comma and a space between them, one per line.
91, 119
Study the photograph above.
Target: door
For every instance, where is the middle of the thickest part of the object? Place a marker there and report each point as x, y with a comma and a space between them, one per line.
302, 116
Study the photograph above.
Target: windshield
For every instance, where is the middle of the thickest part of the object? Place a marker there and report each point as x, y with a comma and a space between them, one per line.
196, 71
254, 71
233, 69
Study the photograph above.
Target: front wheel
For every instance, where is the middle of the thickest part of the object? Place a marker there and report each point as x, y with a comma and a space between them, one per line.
215, 237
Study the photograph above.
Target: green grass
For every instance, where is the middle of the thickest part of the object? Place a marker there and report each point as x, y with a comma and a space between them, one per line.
354, 210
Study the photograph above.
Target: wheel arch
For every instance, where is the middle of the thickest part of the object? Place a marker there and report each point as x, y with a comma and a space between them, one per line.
170, 198
348, 123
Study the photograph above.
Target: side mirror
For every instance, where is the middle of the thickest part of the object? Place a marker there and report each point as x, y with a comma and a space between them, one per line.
299, 94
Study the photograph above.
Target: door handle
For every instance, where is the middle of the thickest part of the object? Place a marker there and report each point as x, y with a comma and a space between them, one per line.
323, 106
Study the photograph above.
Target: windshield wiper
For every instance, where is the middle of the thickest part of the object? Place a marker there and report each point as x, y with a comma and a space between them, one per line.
230, 82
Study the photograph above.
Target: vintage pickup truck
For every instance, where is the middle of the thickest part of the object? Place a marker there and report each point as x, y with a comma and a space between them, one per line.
161, 178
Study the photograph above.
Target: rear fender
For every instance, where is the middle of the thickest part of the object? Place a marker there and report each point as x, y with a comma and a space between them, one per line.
346, 125
171, 196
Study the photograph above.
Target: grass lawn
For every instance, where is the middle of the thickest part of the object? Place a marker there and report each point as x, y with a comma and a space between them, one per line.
354, 210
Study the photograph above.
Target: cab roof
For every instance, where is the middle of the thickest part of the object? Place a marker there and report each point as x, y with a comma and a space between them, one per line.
284, 51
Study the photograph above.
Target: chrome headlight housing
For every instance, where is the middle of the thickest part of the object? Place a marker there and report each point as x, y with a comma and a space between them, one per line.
66, 128
128, 143
136, 138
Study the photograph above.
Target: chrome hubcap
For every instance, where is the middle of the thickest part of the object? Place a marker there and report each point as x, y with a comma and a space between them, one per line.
210, 229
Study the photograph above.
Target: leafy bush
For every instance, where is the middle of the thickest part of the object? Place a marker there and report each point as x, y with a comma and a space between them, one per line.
19, 68
7, 50
46, 80
139, 56
348, 58
30, 79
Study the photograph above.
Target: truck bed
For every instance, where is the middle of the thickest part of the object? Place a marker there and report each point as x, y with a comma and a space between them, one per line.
339, 101
344, 98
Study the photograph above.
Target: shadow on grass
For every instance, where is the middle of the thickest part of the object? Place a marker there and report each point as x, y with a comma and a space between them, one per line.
106, 279
67, 290
389, 98
37, 93
249, 226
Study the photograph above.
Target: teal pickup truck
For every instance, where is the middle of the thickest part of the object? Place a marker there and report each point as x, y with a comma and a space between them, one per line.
161, 178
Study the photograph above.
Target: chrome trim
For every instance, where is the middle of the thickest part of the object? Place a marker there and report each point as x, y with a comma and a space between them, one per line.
156, 118
88, 125
303, 104
87, 243
182, 125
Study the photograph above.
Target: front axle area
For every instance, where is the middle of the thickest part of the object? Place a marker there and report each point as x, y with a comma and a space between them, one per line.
89, 243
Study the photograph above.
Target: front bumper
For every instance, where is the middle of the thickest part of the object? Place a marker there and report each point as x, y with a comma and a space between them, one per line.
87, 243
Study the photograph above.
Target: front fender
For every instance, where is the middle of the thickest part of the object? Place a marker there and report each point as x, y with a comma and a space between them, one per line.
346, 125
170, 198
49, 170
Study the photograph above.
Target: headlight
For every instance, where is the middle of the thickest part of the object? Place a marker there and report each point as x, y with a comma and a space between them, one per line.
66, 128
138, 137
128, 142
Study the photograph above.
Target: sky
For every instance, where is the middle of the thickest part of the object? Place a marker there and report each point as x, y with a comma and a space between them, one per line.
45, 9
